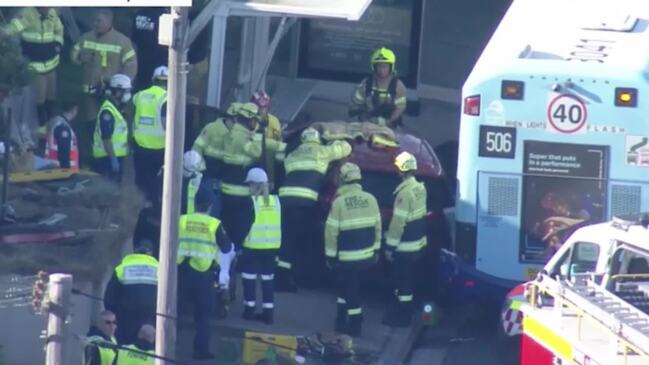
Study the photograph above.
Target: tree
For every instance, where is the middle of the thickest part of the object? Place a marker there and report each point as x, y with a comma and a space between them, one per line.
14, 68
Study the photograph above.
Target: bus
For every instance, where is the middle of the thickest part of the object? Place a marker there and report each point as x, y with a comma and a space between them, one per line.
554, 135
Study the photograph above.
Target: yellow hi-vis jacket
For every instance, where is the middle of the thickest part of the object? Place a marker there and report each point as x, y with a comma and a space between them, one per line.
106, 355
353, 228
41, 38
148, 122
266, 231
241, 148
137, 269
209, 144
119, 139
407, 232
306, 167
104, 56
197, 240
126, 357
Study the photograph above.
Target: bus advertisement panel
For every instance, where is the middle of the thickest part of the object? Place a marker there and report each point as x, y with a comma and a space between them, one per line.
564, 187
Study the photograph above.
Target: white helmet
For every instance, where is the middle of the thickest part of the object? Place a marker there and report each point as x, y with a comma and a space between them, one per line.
160, 73
120, 81
256, 175
192, 162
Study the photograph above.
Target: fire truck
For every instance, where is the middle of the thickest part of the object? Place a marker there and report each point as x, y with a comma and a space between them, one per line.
590, 303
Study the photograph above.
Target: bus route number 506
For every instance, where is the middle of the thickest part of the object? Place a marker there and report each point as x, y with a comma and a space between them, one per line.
498, 142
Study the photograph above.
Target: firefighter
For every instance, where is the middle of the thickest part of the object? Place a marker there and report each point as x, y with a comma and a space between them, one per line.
61, 141
352, 239
110, 141
305, 168
209, 144
260, 248
380, 97
132, 290
149, 124
102, 53
136, 352
101, 337
405, 239
41, 36
271, 128
241, 148
203, 243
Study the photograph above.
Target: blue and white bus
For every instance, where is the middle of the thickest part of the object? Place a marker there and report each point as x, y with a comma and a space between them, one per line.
554, 134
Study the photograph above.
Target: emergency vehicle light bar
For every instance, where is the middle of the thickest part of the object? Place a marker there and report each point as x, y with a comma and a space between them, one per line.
625, 222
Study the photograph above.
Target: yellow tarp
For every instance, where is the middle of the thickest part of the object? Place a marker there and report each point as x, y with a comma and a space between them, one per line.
376, 134
259, 346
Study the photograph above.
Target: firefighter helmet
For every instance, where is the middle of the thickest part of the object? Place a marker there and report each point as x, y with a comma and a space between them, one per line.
310, 135
160, 73
405, 162
350, 172
248, 110
383, 55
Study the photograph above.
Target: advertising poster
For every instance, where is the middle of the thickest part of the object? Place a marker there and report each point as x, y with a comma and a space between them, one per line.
564, 188
340, 49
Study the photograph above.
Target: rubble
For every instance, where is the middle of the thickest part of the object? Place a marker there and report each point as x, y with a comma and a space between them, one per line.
76, 225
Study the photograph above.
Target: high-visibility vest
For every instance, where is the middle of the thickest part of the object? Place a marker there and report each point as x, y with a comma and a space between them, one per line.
148, 130
52, 148
197, 240
126, 357
192, 188
106, 355
137, 269
266, 231
119, 138
40, 37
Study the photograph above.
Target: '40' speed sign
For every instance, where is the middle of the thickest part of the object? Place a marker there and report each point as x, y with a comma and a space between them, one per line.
567, 114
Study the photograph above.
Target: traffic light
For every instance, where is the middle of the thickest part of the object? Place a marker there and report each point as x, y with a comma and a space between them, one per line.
39, 291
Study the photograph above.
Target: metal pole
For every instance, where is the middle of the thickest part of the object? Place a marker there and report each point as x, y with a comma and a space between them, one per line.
5, 121
175, 137
60, 286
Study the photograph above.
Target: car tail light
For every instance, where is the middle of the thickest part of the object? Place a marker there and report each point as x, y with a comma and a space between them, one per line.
472, 105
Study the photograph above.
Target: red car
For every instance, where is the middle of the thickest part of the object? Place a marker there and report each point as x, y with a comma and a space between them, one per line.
380, 178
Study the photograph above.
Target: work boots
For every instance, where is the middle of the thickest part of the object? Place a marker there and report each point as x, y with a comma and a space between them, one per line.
248, 313
353, 327
399, 315
267, 316
341, 317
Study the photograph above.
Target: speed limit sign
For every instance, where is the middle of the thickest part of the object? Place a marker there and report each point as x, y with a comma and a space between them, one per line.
567, 114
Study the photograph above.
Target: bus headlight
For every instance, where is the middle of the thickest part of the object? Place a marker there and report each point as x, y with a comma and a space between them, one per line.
512, 90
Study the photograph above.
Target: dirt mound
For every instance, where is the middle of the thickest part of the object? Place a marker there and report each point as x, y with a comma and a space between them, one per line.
77, 225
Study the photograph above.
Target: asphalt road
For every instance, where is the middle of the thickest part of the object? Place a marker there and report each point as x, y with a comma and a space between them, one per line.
462, 340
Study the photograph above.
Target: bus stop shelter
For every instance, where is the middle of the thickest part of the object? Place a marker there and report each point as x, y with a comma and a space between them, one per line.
257, 48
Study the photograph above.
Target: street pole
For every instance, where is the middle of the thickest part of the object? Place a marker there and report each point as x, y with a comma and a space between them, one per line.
60, 286
175, 137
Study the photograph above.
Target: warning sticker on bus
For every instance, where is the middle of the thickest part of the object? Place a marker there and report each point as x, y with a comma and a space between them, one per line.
566, 114
637, 151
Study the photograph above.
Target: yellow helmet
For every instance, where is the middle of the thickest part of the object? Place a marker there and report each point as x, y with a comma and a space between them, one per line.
310, 135
383, 55
248, 110
405, 162
350, 172
233, 109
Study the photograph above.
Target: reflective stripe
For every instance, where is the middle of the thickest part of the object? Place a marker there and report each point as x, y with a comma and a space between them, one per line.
400, 100
102, 47
126, 357
356, 255
247, 276
192, 188
284, 264
268, 305
199, 241
515, 304
298, 192
45, 67
235, 190
354, 311
128, 55
249, 304
405, 298
341, 300
268, 277
197, 254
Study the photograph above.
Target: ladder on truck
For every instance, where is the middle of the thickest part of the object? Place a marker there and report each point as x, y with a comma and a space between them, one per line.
621, 318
